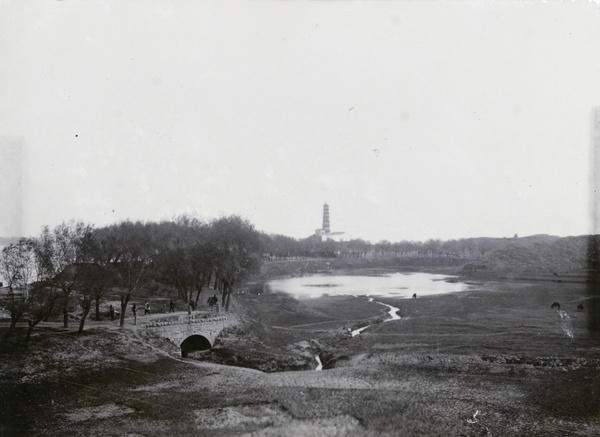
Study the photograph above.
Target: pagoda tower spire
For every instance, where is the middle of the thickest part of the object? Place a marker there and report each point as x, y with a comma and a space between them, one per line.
326, 226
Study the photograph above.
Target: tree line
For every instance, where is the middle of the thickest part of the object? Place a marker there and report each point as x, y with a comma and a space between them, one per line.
280, 247
43, 275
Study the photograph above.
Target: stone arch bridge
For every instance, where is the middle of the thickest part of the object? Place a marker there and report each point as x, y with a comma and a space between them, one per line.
195, 332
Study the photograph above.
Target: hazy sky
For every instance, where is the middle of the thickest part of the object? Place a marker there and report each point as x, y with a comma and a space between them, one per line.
413, 120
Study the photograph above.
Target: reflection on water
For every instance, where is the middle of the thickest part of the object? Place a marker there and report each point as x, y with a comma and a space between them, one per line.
319, 363
359, 330
402, 285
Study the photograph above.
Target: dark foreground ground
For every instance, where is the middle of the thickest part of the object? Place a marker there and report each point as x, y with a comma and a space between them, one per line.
494, 361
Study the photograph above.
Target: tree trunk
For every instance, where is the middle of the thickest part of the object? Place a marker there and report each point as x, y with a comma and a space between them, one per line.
66, 308
32, 324
183, 294
198, 295
227, 300
97, 308
124, 302
86, 310
29, 330
65, 317
11, 329
227, 290
50, 309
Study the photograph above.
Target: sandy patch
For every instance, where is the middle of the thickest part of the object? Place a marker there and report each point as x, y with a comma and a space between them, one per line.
246, 416
272, 420
159, 386
98, 412
327, 427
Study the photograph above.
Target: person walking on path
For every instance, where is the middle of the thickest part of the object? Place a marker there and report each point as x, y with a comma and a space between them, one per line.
147, 309
111, 312
134, 311
171, 307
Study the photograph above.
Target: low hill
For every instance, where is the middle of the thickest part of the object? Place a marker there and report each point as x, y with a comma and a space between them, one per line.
536, 255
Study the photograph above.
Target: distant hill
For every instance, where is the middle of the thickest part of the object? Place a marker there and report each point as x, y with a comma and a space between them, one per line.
534, 255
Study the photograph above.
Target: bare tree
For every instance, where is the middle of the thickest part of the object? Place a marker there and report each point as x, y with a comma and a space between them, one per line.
131, 248
42, 297
93, 281
185, 257
238, 252
57, 251
17, 266
97, 281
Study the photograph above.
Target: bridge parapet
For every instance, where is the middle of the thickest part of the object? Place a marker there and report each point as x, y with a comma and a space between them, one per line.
177, 328
183, 320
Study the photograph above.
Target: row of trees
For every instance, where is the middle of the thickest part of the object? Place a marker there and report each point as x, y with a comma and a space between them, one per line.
281, 247
184, 255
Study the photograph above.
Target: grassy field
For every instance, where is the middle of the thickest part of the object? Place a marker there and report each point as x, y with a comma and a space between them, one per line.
492, 361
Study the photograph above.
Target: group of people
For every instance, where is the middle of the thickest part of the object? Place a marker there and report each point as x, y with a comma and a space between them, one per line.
212, 301
146, 308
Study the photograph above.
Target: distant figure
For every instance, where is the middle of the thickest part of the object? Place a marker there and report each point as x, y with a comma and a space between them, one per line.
580, 307
171, 307
147, 308
193, 305
555, 306
415, 296
212, 301
134, 311
111, 312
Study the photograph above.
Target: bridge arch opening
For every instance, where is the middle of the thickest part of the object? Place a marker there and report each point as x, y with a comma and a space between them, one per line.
194, 343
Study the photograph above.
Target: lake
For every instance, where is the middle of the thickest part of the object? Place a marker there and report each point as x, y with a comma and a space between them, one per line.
399, 285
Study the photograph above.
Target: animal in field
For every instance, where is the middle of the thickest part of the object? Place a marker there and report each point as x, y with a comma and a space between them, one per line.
580, 307
555, 306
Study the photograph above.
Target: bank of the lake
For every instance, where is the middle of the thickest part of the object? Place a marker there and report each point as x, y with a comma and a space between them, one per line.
295, 267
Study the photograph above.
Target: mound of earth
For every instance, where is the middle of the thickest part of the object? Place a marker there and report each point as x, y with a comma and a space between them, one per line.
537, 255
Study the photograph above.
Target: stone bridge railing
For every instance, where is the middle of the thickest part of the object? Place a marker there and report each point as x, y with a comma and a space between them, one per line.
196, 328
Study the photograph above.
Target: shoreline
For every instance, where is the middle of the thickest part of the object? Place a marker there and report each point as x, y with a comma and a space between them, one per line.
443, 266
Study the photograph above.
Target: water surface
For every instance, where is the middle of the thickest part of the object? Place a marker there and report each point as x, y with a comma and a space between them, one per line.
399, 285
